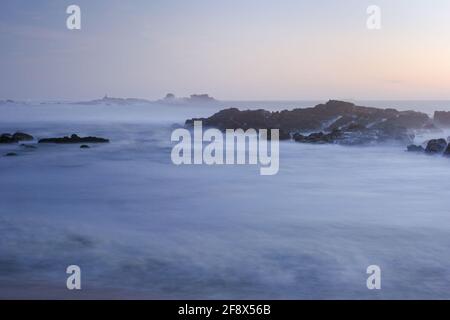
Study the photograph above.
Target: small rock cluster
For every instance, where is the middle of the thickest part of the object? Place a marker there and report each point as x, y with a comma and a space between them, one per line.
434, 146
74, 139
17, 137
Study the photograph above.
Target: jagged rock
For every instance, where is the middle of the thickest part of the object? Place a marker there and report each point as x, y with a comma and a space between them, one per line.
357, 124
414, 148
394, 133
84, 146
235, 119
436, 146
74, 139
442, 118
353, 127
408, 119
319, 137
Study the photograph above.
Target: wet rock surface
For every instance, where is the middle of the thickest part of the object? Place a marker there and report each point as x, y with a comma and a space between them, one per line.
433, 146
436, 146
15, 138
333, 122
442, 118
319, 137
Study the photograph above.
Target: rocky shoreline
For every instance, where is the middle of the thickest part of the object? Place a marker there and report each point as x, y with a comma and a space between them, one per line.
335, 122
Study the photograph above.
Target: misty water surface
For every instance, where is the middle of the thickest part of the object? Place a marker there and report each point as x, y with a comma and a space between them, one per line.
140, 227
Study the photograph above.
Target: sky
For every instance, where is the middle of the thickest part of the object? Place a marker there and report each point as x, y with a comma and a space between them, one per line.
233, 49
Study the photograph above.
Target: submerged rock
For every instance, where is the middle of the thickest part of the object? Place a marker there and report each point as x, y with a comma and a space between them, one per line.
436, 146
11, 154
28, 146
84, 146
74, 139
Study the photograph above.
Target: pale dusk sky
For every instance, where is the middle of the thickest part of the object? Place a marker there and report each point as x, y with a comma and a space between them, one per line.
233, 50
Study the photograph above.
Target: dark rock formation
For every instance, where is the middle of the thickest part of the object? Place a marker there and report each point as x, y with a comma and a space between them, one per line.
20, 136
442, 118
436, 146
14, 138
282, 135
11, 154
447, 151
6, 138
235, 119
84, 146
74, 139
355, 124
414, 148
319, 137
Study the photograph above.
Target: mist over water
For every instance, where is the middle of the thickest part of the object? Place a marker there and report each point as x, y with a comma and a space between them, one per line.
141, 227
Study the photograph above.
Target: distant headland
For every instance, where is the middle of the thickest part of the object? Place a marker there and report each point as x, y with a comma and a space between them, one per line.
170, 98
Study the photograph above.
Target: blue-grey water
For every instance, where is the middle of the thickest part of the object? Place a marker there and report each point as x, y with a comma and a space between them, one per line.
141, 227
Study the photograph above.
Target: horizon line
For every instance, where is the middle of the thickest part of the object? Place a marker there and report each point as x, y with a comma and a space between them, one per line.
225, 100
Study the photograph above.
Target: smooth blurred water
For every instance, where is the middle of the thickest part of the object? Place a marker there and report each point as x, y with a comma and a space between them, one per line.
140, 227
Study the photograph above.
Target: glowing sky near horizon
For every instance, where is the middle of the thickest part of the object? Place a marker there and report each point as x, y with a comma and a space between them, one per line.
234, 49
